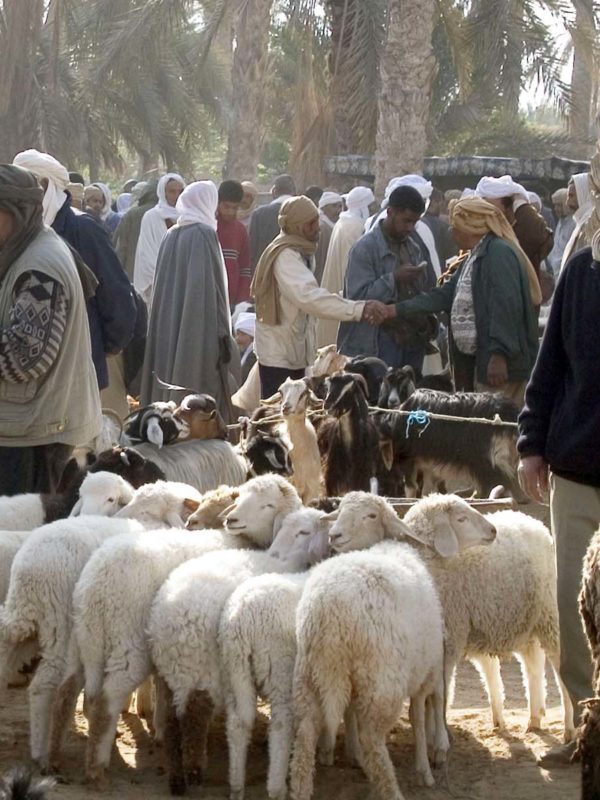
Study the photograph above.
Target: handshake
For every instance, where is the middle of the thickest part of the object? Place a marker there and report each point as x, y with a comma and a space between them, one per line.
375, 312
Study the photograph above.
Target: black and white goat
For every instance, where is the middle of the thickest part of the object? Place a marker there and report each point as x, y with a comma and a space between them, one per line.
154, 423
348, 438
262, 444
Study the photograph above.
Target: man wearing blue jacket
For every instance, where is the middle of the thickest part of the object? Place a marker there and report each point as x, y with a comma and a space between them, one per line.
559, 448
112, 310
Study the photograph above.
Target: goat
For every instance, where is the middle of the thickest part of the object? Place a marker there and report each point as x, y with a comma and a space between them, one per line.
306, 461
199, 418
399, 383
262, 445
154, 423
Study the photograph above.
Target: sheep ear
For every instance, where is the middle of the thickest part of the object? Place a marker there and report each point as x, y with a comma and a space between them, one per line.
154, 433
190, 504
394, 527
386, 448
76, 510
332, 516
318, 547
445, 542
174, 520
226, 511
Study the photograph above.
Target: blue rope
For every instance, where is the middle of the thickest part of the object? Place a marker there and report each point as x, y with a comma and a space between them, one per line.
420, 418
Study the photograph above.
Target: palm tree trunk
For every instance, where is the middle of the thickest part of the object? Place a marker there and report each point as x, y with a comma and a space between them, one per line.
249, 71
581, 80
407, 72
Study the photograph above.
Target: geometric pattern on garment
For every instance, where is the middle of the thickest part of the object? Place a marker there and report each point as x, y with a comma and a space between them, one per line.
30, 344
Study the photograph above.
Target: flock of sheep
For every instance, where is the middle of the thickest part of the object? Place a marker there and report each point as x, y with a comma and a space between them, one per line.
203, 597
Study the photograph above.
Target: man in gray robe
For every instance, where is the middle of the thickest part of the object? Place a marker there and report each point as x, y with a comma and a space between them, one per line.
189, 335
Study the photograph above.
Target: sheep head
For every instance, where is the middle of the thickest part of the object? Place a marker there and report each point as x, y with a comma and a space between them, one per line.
199, 418
102, 493
262, 505
302, 539
449, 525
160, 504
363, 520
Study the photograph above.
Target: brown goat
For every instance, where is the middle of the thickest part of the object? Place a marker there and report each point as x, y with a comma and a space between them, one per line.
200, 418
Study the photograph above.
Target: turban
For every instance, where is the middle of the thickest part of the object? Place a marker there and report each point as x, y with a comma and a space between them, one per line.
167, 211
107, 195
244, 214
197, 203
246, 323
560, 196
418, 182
295, 213
581, 181
20, 196
358, 201
476, 216
329, 199
496, 188
535, 200
46, 166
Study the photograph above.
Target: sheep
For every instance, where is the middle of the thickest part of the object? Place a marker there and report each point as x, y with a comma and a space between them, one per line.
209, 513
305, 457
199, 418
497, 599
103, 494
258, 649
10, 543
155, 504
38, 607
446, 452
369, 629
202, 464
153, 423
348, 439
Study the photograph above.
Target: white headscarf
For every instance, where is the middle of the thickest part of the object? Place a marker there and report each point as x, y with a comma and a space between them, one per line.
418, 182
495, 188
328, 199
164, 209
246, 323
124, 202
198, 203
106, 210
358, 201
46, 166
467, 192
535, 200
584, 197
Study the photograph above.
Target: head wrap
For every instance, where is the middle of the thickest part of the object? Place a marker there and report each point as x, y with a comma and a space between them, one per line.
246, 323
249, 188
198, 203
76, 191
21, 196
496, 188
476, 216
560, 196
167, 211
467, 192
46, 166
293, 216
581, 180
138, 190
107, 194
535, 200
329, 199
418, 182
358, 201
124, 202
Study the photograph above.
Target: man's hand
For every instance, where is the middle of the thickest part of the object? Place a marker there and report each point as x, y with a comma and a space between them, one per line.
374, 312
533, 477
407, 273
497, 373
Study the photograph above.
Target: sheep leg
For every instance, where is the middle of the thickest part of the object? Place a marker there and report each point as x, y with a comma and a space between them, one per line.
533, 660
309, 725
438, 712
62, 714
377, 763
326, 746
489, 669
195, 722
280, 746
569, 724
240, 721
173, 744
42, 692
417, 720
160, 708
103, 726
351, 740
143, 700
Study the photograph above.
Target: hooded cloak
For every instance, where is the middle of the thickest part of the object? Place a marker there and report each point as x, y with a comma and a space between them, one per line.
46, 166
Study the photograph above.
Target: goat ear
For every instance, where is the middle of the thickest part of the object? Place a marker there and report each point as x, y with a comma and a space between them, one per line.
190, 504
363, 385
174, 520
154, 432
76, 510
386, 448
445, 541
274, 400
409, 372
271, 457
226, 511
125, 458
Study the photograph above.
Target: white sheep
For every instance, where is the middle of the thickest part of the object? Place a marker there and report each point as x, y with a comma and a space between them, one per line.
497, 599
304, 453
102, 493
162, 503
369, 630
203, 464
10, 544
258, 650
183, 630
23, 512
38, 606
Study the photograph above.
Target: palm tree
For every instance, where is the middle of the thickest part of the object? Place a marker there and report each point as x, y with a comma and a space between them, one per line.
583, 33
407, 71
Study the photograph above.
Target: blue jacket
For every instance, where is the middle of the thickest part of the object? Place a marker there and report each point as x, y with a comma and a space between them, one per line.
112, 310
561, 417
370, 276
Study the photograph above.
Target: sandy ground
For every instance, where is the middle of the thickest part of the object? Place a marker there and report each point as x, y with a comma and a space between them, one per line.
483, 764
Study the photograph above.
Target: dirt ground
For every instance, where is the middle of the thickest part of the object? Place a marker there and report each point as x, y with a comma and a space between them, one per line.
483, 764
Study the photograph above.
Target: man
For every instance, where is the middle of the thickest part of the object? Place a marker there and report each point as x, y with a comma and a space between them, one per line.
444, 243
564, 228
558, 445
264, 226
189, 336
112, 310
288, 298
314, 193
233, 238
388, 265
44, 344
245, 329
579, 202
128, 232
331, 205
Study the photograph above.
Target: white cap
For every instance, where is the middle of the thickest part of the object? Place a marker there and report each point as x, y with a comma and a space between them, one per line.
330, 198
246, 323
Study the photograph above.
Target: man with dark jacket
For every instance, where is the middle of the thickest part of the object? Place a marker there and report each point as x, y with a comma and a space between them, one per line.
112, 310
264, 225
558, 445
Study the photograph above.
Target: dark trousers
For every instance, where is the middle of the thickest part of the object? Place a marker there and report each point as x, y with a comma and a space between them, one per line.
271, 378
32, 469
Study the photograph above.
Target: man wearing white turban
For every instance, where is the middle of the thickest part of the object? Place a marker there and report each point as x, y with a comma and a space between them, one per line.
348, 230
189, 340
330, 208
579, 201
155, 224
112, 309
245, 329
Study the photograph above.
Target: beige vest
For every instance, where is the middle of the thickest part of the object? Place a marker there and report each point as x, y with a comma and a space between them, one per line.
63, 406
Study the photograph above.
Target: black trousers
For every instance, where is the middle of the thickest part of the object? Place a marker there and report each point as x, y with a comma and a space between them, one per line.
32, 469
271, 378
